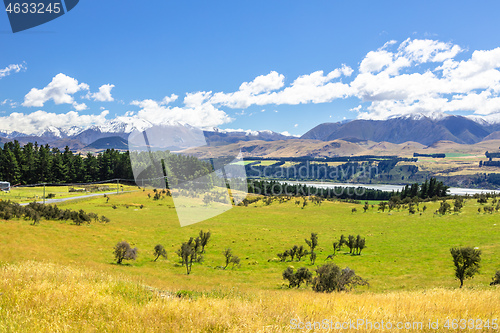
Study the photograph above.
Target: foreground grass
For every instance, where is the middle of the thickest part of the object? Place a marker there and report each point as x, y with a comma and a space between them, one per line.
44, 297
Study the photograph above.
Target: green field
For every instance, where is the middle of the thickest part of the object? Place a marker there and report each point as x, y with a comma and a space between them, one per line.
57, 276
403, 251
30, 194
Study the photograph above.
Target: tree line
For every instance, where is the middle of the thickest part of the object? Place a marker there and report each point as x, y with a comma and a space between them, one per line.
35, 164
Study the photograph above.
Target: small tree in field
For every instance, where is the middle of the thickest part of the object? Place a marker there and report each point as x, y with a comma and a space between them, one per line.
123, 251
466, 261
186, 252
230, 258
312, 243
160, 252
496, 279
331, 278
351, 241
204, 238
301, 252
295, 279
190, 252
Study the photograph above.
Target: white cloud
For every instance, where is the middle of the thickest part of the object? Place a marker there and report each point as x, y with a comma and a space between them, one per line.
14, 68
36, 122
196, 111
415, 76
104, 94
61, 90
311, 88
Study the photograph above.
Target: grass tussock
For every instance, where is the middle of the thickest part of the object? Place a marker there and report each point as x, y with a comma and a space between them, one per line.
44, 297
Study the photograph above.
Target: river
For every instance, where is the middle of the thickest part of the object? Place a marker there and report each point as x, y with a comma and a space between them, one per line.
390, 187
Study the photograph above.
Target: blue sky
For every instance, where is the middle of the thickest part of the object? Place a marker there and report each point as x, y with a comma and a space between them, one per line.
250, 64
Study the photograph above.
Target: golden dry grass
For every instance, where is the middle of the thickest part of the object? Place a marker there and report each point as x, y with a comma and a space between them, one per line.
45, 297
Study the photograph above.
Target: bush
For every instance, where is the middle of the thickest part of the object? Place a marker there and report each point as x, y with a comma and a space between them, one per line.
295, 279
331, 278
160, 251
496, 279
123, 251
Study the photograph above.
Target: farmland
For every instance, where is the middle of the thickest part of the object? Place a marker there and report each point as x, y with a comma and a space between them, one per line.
407, 257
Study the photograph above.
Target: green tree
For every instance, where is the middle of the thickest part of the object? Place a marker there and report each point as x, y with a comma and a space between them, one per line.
466, 261
331, 278
230, 258
496, 279
204, 237
295, 279
123, 251
312, 243
159, 251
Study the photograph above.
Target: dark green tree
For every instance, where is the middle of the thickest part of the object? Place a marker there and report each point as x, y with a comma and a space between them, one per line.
204, 237
159, 251
466, 261
123, 251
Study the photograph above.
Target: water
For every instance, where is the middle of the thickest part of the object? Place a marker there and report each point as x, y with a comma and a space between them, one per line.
390, 187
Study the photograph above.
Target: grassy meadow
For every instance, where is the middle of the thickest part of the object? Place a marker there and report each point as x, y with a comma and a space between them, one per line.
57, 276
30, 194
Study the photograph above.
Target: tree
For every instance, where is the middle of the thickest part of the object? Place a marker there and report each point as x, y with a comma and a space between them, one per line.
293, 252
295, 279
160, 252
411, 208
190, 252
230, 258
331, 278
458, 204
204, 237
382, 206
466, 261
444, 208
301, 252
361, 244
123, 251
312, 243
366, 206
186, 253
351, 242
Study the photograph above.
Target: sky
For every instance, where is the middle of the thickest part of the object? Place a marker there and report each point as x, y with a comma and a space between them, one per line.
284, 66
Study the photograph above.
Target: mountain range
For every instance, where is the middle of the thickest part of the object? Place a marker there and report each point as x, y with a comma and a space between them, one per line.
416, 128
422, 129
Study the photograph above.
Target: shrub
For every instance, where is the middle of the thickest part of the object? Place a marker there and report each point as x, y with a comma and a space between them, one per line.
123, 251
230, 258
160, 251
295, 279
496, 279
331, 278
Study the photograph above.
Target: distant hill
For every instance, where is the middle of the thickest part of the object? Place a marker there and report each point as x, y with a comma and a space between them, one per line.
420, 129
113, 142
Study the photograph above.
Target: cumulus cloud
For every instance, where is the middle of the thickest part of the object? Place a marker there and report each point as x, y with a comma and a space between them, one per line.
61, 90
14, 68
414, 76
36, 122
103, 95
444, 85
310, 88
195, 112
